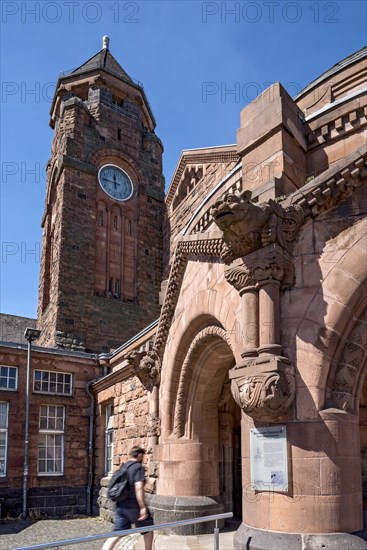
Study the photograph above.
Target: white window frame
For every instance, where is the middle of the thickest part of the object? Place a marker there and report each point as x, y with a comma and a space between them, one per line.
109, 438
49, 434
54, 377
4, 430
6, 388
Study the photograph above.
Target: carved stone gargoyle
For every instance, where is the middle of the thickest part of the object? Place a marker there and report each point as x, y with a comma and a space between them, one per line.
248, 226
265, 390
147, 366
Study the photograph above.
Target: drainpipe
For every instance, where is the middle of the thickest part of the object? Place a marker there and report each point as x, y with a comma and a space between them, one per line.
30, 334
90, 449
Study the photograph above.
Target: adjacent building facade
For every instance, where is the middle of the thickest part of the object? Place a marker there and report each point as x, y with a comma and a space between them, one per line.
240, 303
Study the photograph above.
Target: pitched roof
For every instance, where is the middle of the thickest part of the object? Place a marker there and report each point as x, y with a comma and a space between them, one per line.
103, 60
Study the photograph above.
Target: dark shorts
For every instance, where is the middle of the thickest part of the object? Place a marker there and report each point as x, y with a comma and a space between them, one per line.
125, 517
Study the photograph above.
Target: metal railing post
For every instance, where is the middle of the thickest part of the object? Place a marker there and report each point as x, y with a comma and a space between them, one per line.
216, 536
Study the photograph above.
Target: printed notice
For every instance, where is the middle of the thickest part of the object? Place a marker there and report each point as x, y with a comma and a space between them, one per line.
268, 454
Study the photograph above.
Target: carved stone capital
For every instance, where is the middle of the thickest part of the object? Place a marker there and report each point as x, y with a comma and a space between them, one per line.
264, 391
271, 263
147, 367
239, 277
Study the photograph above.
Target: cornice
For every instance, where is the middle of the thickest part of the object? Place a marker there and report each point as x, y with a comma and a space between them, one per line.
120, 375
332, 186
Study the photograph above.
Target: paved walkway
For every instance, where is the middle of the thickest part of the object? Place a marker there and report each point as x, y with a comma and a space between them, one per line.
19, 533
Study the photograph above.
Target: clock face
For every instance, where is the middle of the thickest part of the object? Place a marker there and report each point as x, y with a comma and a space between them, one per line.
115, 182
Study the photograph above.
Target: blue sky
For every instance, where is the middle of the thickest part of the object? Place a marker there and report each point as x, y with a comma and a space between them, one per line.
200, 63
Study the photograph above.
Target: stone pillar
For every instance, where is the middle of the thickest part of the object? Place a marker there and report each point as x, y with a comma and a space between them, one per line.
239, 277
323, 505
263, 383
269, 320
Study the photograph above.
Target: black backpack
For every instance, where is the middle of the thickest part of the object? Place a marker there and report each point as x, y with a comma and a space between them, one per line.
119, 487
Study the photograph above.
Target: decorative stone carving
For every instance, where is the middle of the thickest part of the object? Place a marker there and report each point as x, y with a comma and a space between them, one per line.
147, 366
269, 263
154, 428
185, 249
350, 368
332, 186
264, 391
247, 226
240, 278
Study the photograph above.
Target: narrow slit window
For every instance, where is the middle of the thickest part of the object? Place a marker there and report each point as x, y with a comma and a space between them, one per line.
100, 218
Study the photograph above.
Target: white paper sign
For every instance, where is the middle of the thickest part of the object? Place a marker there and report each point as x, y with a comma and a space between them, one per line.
268, 457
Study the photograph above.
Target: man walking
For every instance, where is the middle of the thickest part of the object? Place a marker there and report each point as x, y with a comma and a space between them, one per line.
133, 509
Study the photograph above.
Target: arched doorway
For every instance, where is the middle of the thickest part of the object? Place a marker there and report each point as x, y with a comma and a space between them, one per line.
200, 455
230, 463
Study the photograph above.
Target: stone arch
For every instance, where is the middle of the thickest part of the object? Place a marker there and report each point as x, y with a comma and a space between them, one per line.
206, 337
330, 314
214, 310
347, 376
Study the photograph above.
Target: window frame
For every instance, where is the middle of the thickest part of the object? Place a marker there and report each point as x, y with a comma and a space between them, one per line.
109, 438
53, 432
5, 430
56, 382
16, 377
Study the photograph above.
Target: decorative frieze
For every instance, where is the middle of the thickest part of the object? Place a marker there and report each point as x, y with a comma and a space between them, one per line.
335, 129
350, 368
330, 188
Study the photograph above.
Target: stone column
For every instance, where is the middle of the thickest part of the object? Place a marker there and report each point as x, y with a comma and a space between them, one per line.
240, 278
269, 318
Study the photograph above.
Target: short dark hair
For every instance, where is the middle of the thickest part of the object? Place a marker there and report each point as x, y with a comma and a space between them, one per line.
135, 451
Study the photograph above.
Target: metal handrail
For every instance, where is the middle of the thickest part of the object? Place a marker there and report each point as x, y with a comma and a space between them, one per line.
126, 532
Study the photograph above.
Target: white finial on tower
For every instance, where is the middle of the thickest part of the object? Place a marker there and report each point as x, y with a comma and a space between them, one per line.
105, 42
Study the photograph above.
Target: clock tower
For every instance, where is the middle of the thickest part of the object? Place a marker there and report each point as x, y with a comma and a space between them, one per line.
101, 265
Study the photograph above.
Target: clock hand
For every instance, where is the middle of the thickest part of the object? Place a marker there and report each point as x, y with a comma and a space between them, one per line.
110, 181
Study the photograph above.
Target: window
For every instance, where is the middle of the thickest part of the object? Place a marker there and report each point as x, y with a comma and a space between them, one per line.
115, 226
51, 442
117, 288
129, 227
59, 383
4, 412
109, 439
100, 217
8, 378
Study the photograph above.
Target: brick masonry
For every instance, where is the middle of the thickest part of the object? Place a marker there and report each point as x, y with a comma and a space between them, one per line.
82, 258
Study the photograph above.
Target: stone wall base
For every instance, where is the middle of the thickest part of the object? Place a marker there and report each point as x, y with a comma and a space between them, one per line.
166, 509
248, 538
46, 502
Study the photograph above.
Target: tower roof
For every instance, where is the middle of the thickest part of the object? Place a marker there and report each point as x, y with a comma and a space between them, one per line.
103, 60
